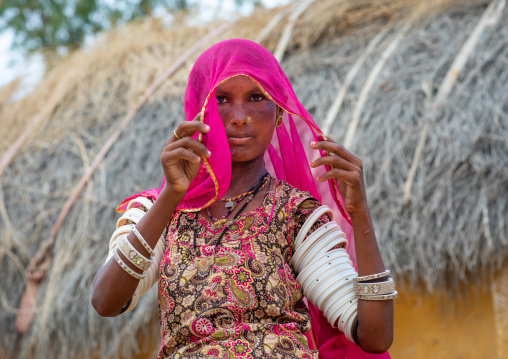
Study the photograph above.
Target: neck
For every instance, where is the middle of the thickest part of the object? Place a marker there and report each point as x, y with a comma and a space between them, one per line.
244, 175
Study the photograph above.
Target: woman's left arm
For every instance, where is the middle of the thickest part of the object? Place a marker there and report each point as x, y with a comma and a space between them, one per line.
375, 318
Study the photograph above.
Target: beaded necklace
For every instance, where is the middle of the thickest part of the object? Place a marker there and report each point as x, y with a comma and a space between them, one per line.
219, 222
265, 179
230, 202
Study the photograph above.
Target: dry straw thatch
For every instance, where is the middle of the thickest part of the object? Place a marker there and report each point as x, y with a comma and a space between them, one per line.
436, 171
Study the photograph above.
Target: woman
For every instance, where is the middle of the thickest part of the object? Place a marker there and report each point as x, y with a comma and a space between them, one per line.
234, 198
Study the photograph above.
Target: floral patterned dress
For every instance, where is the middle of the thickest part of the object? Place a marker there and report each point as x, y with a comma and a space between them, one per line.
239, 299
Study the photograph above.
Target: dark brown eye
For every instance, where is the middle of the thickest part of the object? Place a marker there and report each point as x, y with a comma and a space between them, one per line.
221, 99
257, 97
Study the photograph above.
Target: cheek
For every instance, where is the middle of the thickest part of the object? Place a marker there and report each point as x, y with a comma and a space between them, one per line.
224, 112
266, 132
266, 126
265, 112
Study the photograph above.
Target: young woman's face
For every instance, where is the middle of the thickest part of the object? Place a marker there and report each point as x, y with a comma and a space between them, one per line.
239, 99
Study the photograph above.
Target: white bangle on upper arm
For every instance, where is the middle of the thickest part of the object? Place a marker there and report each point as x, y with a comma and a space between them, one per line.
326, 274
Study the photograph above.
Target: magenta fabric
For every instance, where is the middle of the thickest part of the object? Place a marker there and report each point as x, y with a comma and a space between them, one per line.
287, 157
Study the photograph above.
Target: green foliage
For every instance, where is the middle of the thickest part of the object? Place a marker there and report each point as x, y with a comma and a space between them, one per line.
50, 24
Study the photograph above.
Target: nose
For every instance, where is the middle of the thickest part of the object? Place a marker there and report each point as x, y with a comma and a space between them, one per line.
239, 116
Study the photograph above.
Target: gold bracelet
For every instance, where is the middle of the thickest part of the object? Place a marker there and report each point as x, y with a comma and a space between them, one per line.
376, 288
372, 276
132, 254
388, 296
125, 267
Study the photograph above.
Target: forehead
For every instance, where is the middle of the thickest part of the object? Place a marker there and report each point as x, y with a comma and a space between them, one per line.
238, 83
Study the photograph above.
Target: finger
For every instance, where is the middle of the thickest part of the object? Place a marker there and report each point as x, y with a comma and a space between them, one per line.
190, 144
348, 177
173, 156
334, 161
321, 137
332, 147
189, 128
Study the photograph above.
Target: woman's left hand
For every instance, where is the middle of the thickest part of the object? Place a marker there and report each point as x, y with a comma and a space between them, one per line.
347, 169
375, 318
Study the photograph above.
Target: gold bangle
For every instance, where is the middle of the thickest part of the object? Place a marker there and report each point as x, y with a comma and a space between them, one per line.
388, 296
372, 276
375, 288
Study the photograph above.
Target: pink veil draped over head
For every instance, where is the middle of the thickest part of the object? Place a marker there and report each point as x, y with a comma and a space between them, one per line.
287, 157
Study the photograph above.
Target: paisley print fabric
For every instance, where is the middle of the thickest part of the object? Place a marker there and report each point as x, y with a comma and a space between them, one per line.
239, 299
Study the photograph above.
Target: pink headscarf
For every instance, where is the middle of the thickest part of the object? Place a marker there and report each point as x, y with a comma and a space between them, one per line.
287, 157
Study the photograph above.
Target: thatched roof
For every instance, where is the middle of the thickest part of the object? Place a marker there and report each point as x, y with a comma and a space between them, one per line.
435, 159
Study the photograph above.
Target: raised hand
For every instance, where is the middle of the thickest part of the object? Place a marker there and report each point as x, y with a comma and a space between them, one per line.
347, 169
181, 157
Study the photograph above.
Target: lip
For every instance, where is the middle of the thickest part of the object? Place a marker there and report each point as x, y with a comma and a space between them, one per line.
239, 140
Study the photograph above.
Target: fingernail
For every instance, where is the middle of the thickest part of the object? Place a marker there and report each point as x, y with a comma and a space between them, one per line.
207, 127
319, 178
311, 163
209, 153
313, 143
198, 159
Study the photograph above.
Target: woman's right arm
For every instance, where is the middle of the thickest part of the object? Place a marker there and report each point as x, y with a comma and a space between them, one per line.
181, 160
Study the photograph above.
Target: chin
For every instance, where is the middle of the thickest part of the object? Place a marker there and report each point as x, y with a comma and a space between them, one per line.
241, 156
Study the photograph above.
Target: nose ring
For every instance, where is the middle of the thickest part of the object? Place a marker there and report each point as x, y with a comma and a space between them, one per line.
248, 120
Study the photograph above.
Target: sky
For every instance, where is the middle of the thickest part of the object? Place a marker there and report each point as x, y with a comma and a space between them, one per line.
13, 64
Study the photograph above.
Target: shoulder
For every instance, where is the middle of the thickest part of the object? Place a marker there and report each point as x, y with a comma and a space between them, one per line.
138, 201
295, 204
295, 207
290, 195
294, 199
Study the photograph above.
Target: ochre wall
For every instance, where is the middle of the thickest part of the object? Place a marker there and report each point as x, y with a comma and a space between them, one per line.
430, 327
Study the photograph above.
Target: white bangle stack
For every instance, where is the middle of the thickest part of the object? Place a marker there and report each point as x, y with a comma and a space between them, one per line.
119, 242
327, 277
125, 267
132, 254
142, 241
325, 272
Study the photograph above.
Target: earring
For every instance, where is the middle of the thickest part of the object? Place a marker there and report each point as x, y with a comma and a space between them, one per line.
248, 119
278, 122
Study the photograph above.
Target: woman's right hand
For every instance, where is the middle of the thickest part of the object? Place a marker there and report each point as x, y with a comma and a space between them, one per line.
181, 157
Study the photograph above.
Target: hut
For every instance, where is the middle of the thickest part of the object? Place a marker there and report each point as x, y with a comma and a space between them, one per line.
418, 90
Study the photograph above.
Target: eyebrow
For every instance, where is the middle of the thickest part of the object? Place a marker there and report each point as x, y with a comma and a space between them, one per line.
254, 90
